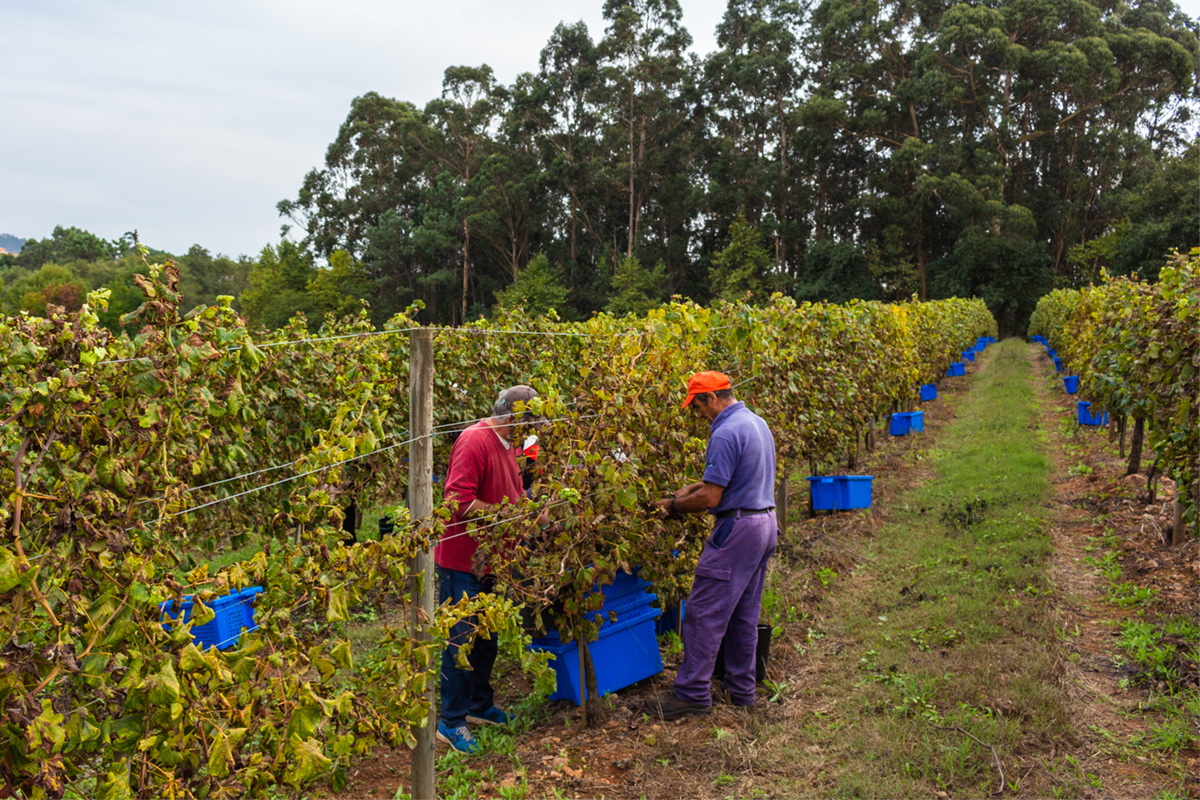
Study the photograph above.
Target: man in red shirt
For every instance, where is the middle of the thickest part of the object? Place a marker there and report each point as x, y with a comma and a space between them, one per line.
482, 475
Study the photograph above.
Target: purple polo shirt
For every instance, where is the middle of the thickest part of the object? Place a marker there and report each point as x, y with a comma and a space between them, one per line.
741, 458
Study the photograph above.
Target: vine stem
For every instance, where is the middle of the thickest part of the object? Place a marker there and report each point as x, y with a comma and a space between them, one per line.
20, 481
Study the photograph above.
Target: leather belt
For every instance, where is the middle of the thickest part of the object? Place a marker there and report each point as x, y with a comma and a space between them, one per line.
742, 512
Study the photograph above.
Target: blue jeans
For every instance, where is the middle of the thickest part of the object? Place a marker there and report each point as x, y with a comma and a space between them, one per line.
464, 691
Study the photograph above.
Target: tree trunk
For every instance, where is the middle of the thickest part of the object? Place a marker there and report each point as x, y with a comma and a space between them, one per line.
1135, 446
593, 709
582, 653
574, 233
629, 249
922, 253
1150, 488
466, 269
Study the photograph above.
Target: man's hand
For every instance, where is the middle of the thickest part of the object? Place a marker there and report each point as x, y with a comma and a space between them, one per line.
665, 508
691, 499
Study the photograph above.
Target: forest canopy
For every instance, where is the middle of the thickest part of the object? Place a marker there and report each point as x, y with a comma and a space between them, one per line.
828, 150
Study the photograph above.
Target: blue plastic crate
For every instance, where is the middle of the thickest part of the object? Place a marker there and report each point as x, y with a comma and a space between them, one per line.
625, 653
907, 422
969, 355
233, 613
840, 492
610, 614
1038, 338
956, 370
623, 583
981, 343
929, 392
1071, 383
1087, 418
1050, 351
1058, 364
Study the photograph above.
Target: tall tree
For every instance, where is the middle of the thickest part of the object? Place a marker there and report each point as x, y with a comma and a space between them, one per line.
63, 246
752, 84
460, 137
650, 96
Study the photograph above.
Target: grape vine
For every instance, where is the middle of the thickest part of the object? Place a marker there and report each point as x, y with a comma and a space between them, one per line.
126, 456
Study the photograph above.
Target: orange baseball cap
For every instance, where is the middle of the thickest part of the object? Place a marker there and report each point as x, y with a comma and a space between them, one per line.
703, 382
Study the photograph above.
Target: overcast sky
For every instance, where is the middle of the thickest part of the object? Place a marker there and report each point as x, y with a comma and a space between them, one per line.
190, 121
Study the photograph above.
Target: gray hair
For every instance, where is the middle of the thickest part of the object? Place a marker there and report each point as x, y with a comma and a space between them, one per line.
509, 397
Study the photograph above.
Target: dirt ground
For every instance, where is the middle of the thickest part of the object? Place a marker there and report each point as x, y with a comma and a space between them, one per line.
1099, 499
632, 757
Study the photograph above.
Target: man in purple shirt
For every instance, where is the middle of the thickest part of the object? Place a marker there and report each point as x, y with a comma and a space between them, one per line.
738, 489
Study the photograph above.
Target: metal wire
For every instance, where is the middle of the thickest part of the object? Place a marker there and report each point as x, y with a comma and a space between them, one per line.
236, 348
220, 500
443, 329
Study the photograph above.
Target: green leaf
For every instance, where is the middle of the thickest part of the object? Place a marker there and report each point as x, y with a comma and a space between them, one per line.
339, 605
304, 721
115, 785
307, 762
627, 497
164, 687
46, 731
220, 755
151, 417
12, 574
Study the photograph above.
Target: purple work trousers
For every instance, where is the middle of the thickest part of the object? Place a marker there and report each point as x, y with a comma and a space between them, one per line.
724, 604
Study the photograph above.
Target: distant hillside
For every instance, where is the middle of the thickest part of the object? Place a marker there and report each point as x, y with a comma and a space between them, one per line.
12, 244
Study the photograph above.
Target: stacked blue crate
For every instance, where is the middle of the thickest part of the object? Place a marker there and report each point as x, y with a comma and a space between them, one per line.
626, 650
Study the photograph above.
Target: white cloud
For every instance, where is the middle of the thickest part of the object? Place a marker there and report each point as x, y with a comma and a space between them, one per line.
191, 121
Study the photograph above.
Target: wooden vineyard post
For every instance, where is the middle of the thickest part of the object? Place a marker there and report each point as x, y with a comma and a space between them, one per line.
583, 696
781, 505
420, 507
1177, 532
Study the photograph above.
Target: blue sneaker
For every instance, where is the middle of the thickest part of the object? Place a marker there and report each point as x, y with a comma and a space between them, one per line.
493, 716
459, 738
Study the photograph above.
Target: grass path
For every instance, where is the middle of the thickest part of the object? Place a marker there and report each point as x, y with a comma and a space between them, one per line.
947, 664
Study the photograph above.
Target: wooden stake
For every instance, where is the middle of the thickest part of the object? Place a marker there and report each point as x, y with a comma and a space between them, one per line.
421, 572
1177, 536
583, 698
781, 505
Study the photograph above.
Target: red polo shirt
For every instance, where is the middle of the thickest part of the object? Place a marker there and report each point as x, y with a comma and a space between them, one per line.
480, 468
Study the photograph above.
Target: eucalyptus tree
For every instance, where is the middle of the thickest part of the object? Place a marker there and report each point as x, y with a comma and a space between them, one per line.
649, 108
370, 167
459, 137
752, 85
